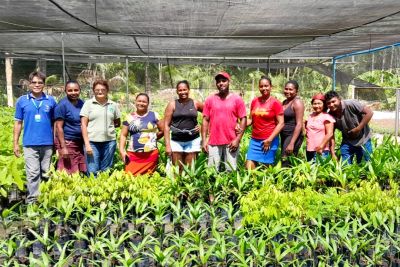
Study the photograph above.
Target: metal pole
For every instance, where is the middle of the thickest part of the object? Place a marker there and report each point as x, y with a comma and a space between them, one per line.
160, 74
127, 82
63, 56
333, 74
396, 127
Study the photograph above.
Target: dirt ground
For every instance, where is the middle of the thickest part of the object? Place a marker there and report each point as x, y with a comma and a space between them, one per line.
383, 125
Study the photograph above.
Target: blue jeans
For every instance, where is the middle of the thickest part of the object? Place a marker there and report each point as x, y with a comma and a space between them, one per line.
102, 158
313, 155
348, 151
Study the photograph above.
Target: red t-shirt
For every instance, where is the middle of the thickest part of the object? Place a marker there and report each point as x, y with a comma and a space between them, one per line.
264, 116
223, 115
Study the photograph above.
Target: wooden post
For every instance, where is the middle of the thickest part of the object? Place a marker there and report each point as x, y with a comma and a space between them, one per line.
252, 87
160, 74
10, 96
396, 124
127, 82
41, 65
147, 78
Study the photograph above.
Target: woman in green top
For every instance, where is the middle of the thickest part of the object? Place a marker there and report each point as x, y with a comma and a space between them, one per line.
99, 117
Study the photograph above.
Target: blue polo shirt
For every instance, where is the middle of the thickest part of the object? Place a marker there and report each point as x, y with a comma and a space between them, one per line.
37, 115
69, 113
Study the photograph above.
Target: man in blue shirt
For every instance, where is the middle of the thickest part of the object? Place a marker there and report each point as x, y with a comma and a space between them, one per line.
35, 111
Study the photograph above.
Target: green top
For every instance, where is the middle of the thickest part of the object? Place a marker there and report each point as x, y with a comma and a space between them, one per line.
101, 119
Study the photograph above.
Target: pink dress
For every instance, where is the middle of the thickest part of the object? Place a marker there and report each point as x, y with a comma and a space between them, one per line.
315, 130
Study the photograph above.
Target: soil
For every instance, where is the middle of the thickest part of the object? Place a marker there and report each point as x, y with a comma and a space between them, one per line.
387, 125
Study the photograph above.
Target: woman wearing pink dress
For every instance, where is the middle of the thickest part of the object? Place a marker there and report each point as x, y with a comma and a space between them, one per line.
319, 130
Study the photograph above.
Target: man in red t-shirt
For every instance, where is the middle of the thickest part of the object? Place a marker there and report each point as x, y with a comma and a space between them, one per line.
221, 113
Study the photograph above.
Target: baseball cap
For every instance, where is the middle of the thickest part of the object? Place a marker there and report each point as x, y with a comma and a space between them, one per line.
223, 74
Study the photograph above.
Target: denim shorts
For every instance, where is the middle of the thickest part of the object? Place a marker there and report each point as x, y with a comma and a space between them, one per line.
186, 147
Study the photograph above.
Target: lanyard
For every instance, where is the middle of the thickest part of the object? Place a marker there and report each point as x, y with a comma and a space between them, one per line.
36, 106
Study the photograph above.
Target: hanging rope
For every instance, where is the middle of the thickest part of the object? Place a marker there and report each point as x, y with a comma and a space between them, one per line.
137, 43
77, 18
95, 16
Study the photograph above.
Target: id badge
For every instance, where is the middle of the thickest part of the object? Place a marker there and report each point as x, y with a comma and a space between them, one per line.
37, 117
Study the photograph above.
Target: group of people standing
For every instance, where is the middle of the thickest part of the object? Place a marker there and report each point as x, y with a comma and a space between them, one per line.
85, 132
270, 118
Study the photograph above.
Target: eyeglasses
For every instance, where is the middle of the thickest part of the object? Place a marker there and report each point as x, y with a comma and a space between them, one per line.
37, 82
